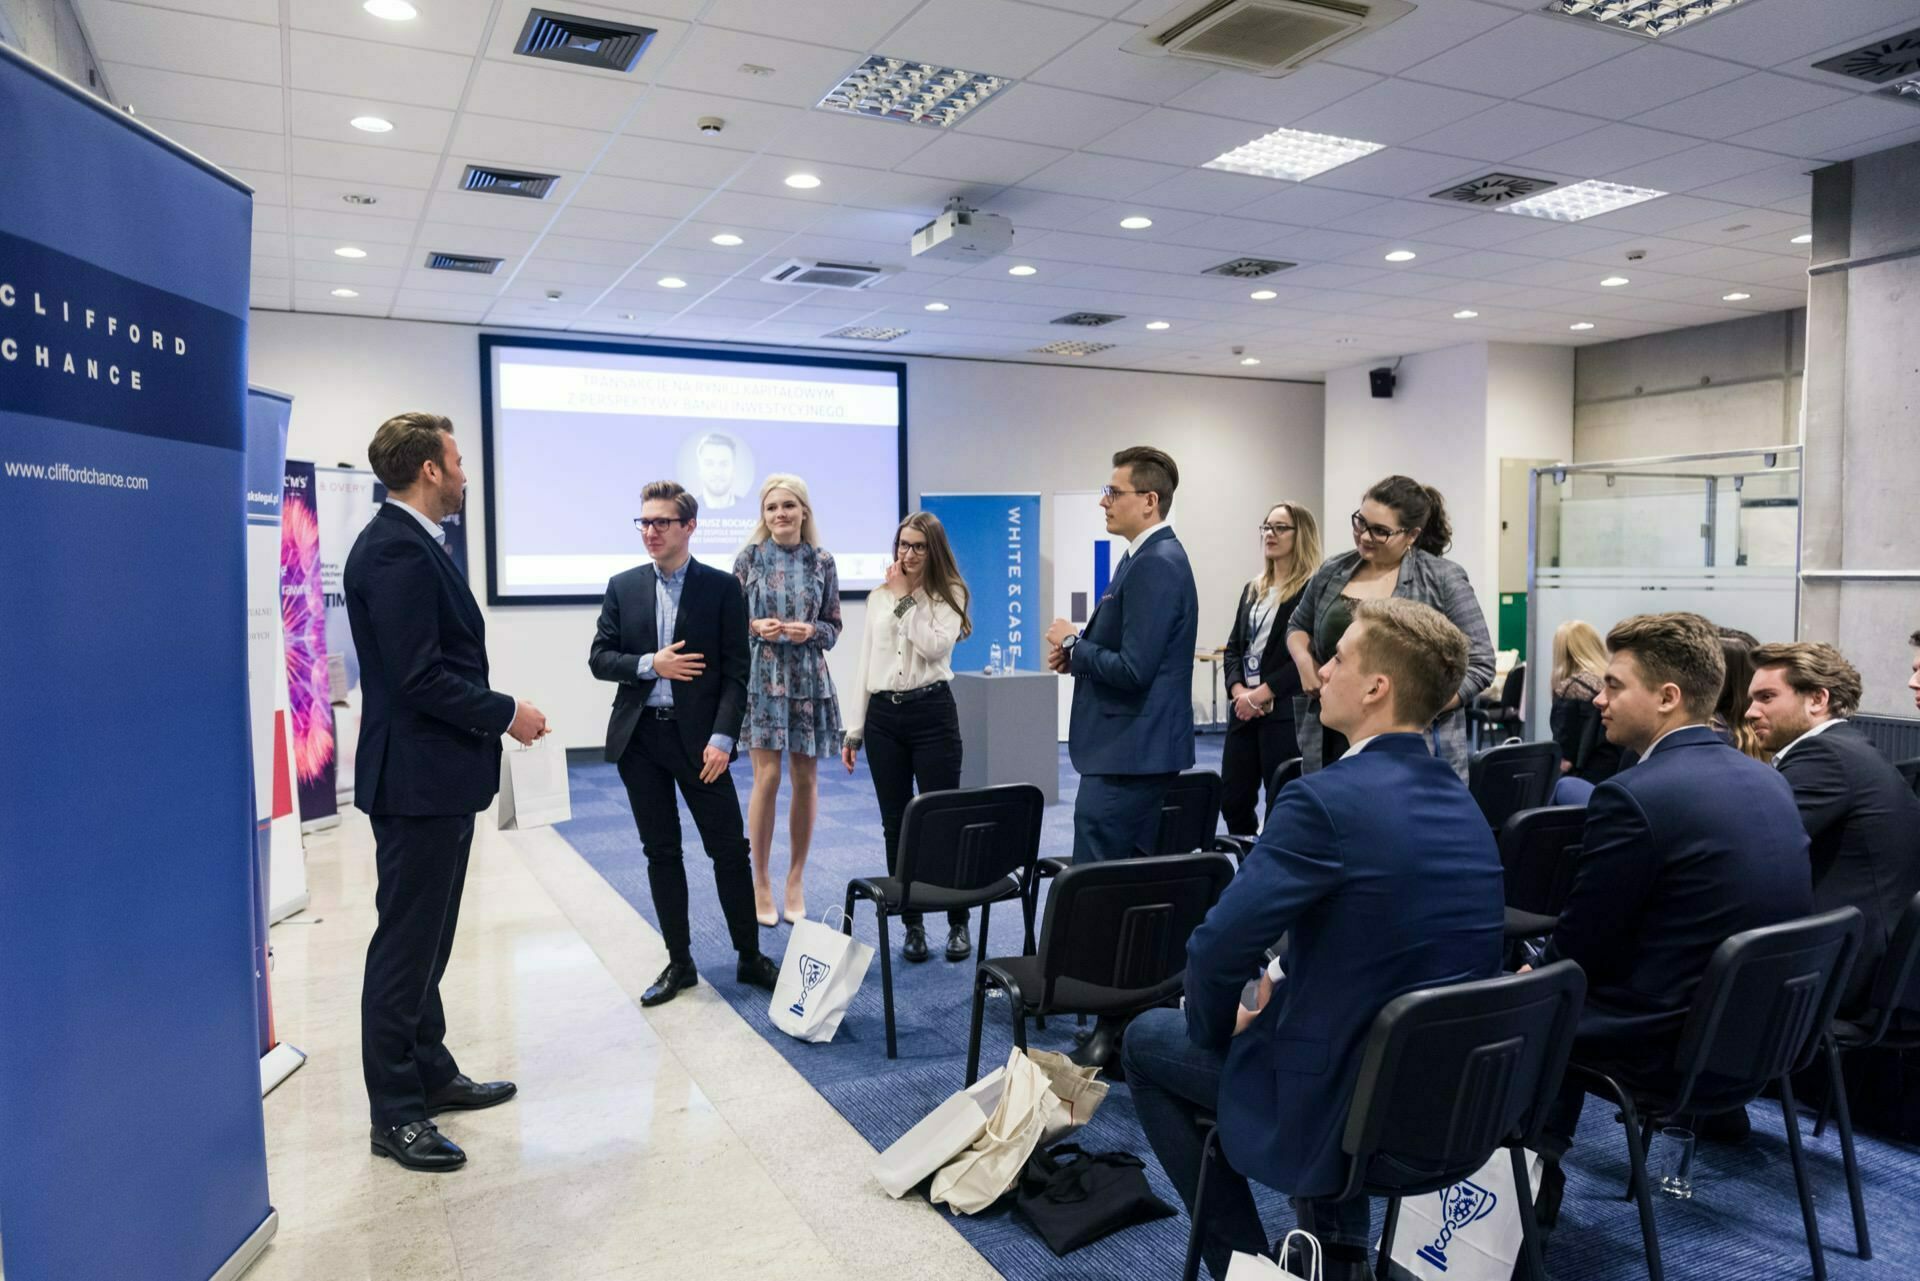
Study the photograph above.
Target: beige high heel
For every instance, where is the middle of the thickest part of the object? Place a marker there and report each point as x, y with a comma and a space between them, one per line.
796, 901
763, 909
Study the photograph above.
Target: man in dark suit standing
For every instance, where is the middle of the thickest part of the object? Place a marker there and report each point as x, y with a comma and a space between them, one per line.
1381, 872
673, 637
429, 759
1860, 815
1131, 729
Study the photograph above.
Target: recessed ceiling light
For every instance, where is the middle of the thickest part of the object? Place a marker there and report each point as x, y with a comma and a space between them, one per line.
1263, 295
1804, 238
728, 239
802, 181
1735, 296
1292, 154
1641, 17
348, 251
1581, 325
671, 282
1249, 360
1580, 200
626, 315
1022, 270
1613, 282
912, 92
1465, 315
1136, 223
371, 124
346, 293
391, 10
936, 306
1402, 255
1158, 324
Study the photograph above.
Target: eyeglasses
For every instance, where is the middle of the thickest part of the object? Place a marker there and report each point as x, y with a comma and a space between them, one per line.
1276, 529
1111, 491
910, 549
647, 524
1379, 533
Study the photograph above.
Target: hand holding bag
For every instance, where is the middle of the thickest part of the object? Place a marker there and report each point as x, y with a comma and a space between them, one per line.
819, 974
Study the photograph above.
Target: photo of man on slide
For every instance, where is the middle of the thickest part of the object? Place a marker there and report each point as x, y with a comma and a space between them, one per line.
718, 484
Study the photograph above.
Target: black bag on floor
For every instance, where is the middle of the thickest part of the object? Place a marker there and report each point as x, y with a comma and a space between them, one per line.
1073, 1197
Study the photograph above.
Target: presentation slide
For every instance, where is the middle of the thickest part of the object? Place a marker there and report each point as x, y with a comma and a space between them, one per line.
573, 430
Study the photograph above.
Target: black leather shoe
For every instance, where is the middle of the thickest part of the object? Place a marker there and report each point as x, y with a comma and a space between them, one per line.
1101, 1049
959, 943
465, 1095
675, 979
915, 948
758, 970
418, 1145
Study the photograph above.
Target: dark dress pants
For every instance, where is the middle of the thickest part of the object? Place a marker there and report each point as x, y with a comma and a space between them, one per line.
654, 763
422, 862
1253, 750
909, 744
1117, 815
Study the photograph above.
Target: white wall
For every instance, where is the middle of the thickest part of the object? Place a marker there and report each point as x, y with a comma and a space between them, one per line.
973, 425
1529, 415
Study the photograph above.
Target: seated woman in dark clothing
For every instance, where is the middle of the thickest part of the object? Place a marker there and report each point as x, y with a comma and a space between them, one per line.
1579, 662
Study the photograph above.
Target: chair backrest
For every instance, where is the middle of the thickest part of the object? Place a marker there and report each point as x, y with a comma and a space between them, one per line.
1896, 984
1910, 770
1283, 773
1190, 815
1765, 1000
1448, 1074
1122, 925
1538, 850
1513, 777
968, 838
1513, 690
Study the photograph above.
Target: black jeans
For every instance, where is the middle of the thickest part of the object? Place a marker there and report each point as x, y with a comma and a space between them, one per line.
654, 762
1253, 750
909, 743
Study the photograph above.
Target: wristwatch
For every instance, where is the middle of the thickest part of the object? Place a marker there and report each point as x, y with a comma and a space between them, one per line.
1066, 645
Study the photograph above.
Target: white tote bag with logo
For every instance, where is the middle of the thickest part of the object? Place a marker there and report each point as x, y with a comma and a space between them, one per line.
533, 785
820, 973
1467, 1232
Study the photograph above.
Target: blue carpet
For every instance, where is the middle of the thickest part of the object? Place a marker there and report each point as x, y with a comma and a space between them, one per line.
1742, 1225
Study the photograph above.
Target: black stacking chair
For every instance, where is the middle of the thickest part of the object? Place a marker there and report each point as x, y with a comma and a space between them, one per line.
1513, 777
1114, 942
1896, 991
1447, 1077
1538, 850
1757, 1017
972, 847
1503, 717
1283, 773
1910, 770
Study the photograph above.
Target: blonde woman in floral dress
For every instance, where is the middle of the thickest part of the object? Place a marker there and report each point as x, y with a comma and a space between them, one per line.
793, 618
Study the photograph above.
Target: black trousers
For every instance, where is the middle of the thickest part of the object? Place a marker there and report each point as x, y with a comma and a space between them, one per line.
422, 864
909, 743
1253, 750
653, 764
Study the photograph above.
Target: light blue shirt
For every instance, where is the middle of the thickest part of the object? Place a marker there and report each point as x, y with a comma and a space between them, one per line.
667, 588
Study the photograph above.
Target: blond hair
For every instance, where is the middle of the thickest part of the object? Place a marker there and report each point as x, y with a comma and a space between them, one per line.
1306, 555
1418, 649
1577, 647
1678, 649
809, 532
1807, 667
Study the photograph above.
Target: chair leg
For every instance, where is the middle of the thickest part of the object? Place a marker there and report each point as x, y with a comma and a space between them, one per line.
1837, 1096
1029, 908
1536, 1269
1020, 1027
1191, 1270
1790, 1114
1637, 1162
980, 982
886, 977
980, 944
846, 922
1646, 1145
1383, 1266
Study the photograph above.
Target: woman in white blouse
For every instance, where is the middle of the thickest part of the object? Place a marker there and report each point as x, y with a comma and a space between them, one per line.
902, 709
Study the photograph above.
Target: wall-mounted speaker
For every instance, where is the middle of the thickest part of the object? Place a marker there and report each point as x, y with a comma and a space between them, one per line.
1382, 381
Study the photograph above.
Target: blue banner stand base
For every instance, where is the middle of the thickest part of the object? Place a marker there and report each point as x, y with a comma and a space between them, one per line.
279, 1063
250, 1250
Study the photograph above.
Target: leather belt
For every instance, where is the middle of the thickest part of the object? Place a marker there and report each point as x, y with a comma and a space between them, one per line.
657, 713
899, 696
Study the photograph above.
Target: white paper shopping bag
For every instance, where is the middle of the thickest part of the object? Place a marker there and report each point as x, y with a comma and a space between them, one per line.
533, 785
939, 1136
1258, 1267
1467, 1232
818, 977
983, 1173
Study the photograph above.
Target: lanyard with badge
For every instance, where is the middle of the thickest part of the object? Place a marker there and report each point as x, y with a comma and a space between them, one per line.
1255, 621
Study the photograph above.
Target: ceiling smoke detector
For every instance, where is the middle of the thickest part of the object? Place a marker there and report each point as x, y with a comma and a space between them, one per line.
1267, 37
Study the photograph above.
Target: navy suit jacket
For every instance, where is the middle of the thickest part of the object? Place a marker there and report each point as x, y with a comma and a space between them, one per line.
1694, 844
712, 620
1383, 874
430, 727
1133, 668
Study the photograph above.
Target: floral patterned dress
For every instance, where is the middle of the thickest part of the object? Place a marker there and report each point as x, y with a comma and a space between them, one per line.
791, 706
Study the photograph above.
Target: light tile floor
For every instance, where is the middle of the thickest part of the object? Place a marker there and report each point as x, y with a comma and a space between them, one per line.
644, 1144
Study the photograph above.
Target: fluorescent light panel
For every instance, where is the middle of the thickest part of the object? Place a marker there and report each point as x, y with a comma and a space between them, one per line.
867, 333
1642, 17
1292, 154
916, 93
1580, 200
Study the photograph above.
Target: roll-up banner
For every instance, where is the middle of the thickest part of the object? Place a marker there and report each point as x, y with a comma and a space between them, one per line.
303, 616
343, 503
130, 1115
996, 541
1084, 557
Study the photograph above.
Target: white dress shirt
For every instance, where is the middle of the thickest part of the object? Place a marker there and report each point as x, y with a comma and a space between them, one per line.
1819, 728
908, 644
432, 527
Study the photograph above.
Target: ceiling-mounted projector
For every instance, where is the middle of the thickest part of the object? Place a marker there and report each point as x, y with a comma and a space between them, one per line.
961, 234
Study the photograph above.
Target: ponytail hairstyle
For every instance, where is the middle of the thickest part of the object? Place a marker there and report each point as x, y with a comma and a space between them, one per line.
1420, 507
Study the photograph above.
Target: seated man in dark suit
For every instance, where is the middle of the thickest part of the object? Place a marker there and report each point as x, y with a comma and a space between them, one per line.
1695, 843
1382, 873
1862, 818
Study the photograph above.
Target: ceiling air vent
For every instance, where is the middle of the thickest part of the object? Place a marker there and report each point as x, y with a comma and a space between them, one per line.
1086, 319
1249, 268
824, 275
1495, 189
610, 46
866, 333
508, 182
463, 262
1269, 37
1071, 348
1893, 62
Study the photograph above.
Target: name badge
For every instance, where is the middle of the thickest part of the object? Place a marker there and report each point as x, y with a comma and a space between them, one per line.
1253, 669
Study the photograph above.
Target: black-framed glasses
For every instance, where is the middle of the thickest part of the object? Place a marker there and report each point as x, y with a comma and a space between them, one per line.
909, 549
1276, 529
1114, 491
647, 524
1379, 533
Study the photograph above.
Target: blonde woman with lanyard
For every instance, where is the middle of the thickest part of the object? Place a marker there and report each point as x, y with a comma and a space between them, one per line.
903, 710
1261, 676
